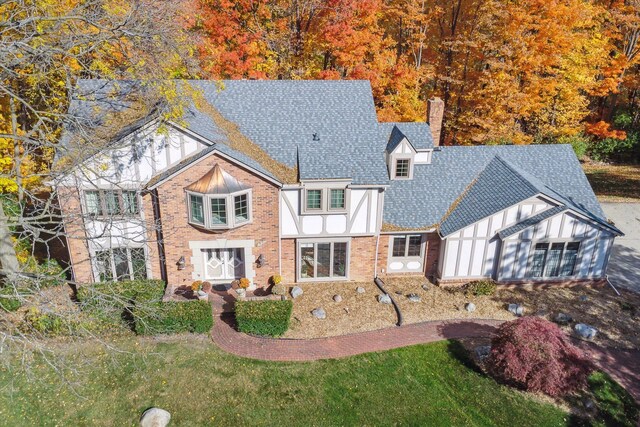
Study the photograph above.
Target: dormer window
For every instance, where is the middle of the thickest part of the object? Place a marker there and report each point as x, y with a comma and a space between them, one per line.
226, 201
402, 168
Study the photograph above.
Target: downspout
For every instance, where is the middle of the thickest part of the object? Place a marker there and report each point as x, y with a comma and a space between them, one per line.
159, 235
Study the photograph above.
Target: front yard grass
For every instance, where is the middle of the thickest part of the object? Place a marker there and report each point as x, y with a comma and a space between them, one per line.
614, 183
200, 385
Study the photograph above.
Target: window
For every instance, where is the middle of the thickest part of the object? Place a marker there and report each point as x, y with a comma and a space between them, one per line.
130, 202
94, 207
241, 208
218, 212
196, 209
314, 199
337, 199
111, 202
120, 264
402, 168
407, 246
554, 259
323, 260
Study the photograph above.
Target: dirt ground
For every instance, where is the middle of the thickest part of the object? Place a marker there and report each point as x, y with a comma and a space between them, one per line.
355, 313
617, 318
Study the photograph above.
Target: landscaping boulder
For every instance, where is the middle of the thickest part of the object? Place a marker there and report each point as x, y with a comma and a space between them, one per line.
585, 331
337, 298
360, 290
319, 313
425, 287
155, 417
384, 299
583, 298
562, 319
470, 307
414, 297
483, 351
516, 309
296, 291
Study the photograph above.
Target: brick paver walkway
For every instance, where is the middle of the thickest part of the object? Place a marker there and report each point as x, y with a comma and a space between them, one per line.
622, 365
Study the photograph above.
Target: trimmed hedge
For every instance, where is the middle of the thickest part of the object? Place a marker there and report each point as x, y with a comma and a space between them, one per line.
173, 317
268, 318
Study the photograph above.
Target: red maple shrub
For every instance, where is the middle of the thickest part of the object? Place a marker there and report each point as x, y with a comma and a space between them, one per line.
534, 354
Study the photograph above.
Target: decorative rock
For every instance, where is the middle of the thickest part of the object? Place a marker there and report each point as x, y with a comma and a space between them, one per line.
583, 298
319, 313
470, 307
155, 417
585, 331
360, 290
384, 299
562, 319
337, 298
589, 404
483, 351
296, 291
398, 293
241, 292
202, 294
425, 287
414, 297
516, 309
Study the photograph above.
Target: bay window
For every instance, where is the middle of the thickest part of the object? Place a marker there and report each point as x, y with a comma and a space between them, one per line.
557, 259
224, 211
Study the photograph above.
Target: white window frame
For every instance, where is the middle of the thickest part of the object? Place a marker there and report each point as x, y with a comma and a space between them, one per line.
325, 200
112, 263
409, 159
549, 244
331, 277
102, 202
406, 255
230, 209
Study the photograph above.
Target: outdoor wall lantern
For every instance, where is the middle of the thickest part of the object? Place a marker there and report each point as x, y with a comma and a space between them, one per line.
181, 263
260, 261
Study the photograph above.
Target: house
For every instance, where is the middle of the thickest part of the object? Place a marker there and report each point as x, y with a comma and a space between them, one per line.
298, 178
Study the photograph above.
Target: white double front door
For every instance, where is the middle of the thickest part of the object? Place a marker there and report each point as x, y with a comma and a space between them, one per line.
223, 264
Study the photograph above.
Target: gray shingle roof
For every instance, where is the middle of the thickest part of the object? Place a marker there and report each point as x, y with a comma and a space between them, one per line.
424, 200
418, 134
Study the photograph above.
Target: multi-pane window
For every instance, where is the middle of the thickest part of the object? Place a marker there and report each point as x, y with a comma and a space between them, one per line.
218, 211
241, 207
314, 199
554, 259
196, 208
94, 207
121, 264
323, 260
407, 246
337, 200
402, 168
224, 211
111, 202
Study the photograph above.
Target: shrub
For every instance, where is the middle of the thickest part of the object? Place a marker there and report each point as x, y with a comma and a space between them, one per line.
535, 355
279, 289
480, 287
173, 317
579, 143
270, 318
44, 323
9, 300
615, 405
276, 279
244, 283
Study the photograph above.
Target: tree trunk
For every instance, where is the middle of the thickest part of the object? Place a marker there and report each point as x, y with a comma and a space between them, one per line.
8, 258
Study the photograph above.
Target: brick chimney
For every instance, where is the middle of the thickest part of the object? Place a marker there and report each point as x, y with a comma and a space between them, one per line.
435, 113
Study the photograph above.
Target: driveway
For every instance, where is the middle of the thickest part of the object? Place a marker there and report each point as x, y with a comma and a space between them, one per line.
624, 265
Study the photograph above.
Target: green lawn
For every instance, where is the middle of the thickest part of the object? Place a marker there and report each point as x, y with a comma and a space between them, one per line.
201, 385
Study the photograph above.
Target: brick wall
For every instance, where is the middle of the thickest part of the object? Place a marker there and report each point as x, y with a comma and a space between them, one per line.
177, 232
288, 260
363, 252
76, 238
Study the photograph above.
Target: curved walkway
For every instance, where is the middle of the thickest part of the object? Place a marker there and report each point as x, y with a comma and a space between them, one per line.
230, 340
